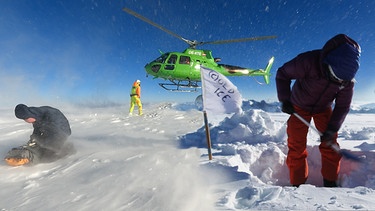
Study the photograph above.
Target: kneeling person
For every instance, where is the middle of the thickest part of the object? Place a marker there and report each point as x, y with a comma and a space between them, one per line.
47, 142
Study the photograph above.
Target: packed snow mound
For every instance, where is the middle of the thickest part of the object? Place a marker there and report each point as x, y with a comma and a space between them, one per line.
263, 105
254, 142
250, 127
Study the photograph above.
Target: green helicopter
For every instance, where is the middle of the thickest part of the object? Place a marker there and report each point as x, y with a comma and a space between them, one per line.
182, 69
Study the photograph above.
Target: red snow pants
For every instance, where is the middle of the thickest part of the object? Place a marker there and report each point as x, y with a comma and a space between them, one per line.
297, 153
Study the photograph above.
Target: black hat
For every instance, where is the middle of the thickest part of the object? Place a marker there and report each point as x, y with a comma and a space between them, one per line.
22, 112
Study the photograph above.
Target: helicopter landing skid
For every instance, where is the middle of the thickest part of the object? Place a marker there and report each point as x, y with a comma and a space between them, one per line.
181, 86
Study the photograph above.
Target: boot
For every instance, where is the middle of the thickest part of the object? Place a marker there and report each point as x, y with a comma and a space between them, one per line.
23, 155
329, 184
19, 156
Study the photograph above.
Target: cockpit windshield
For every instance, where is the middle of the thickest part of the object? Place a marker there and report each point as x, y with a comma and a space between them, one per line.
162, 58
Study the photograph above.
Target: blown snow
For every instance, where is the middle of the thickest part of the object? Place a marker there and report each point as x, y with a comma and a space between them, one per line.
159, 161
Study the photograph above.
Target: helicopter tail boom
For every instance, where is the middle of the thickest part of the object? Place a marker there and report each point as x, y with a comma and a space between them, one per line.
240, 71
230, 70
266, 72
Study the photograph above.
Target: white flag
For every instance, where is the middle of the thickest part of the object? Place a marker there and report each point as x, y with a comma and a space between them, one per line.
219, 94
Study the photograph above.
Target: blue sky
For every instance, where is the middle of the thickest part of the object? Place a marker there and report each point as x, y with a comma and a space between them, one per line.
91, 51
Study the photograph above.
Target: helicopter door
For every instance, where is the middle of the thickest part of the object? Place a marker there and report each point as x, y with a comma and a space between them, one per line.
184, 66
171, 62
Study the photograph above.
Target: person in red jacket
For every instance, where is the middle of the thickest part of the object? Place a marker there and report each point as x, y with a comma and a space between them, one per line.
322, 78
135, 97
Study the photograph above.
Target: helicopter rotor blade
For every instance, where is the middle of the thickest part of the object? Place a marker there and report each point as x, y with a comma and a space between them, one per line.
238, 40
131, 12
193, 43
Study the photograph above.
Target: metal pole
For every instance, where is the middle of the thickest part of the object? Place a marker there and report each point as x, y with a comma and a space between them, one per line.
207, 135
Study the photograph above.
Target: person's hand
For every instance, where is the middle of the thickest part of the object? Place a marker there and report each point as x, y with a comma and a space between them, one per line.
327, 136
287, 107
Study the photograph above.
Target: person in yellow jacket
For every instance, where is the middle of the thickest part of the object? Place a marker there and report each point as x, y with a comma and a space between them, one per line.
135, 97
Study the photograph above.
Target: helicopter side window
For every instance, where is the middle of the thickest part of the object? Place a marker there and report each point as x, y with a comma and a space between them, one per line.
172, 59
171, 62
184, 60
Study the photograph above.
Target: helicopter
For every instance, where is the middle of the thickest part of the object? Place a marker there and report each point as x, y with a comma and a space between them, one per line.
182, 69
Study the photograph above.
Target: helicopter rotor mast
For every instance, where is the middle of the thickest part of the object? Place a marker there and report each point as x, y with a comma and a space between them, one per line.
194, 43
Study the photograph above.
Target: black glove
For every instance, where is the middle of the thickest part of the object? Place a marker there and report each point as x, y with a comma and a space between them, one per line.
327, 136
287, 107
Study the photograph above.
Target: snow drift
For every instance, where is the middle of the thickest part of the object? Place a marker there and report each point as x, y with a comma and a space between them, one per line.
159, 162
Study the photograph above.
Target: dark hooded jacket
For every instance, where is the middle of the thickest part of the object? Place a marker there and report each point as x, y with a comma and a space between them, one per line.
51, 128
312, 90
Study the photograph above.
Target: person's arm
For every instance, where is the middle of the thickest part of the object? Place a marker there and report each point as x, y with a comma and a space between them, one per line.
342, 106
138, 91
293, 69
